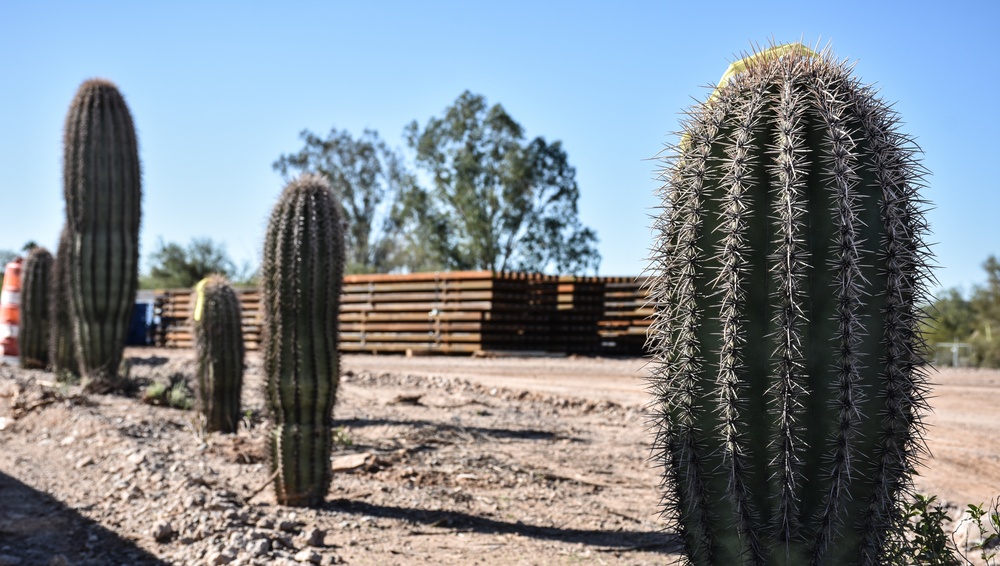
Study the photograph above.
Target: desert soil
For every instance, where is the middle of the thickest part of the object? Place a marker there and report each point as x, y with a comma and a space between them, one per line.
442, 461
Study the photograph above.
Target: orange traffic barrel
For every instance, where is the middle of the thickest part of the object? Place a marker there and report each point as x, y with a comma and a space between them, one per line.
10, 311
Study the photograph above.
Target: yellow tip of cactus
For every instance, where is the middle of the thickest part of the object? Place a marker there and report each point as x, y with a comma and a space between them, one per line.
776, 52
199, 302
737, 67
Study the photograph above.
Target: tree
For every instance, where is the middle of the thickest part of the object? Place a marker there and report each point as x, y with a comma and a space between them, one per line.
985, 304
368, 179
497, 203
950, 319
173, 266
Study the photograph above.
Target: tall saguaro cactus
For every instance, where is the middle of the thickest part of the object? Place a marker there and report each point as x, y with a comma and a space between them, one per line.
302, 275
787, 366
218, 343
102, 189
34, 335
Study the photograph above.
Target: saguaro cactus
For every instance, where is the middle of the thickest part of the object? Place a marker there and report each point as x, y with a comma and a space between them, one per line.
302, 275
34, 331
218, 342
787, 363
103, 192
62, 352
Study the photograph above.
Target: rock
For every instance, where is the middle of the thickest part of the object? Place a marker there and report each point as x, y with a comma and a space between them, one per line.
8, 560
59, 560
218, 558
284, 541
162, 531
308, 556
84, 462
265, 523
314, 537
287, 526
349, 462
259, 547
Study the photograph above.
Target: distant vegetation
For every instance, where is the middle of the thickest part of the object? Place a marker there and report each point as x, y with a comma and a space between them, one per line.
496, 200
971, 323
174, 266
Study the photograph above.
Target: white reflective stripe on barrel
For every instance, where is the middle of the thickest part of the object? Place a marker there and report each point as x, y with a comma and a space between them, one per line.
11, 360
8, 330
10, 298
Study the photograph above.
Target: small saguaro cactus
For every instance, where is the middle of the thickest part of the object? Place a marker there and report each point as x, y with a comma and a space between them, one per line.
62, 353
787, 363
301, 279
34, 332
102, 188
218, 341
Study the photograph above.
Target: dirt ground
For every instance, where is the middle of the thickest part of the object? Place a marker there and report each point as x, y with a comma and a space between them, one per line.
441, 461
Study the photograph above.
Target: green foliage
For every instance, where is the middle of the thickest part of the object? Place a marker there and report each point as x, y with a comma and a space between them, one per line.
368, 179
927, 539
36, 282
928, 543
974, 321
173, 266
102, 188
950, 319
986, 520
303, 271
219, 352
497, 202
342, 438
174, 394
787, 363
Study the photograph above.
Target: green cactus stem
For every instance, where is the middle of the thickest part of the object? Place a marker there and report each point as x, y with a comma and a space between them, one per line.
62, 353
102, 189
219, 351
302, 275
36, 278
787, 363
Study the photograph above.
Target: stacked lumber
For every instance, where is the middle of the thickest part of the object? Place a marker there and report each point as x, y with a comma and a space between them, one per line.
446, 313
580, 307
172, 318
462, 312
443, 313
622, 329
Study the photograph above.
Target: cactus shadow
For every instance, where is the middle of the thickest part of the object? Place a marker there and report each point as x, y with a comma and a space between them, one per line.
616, 540
478, 431
152, 361
36, 527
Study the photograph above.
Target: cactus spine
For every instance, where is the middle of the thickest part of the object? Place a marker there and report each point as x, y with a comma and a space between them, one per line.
35, 282
218, 341
302, 275
787, 365
102, 189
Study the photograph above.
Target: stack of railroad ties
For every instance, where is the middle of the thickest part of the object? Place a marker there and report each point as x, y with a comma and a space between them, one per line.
462, 312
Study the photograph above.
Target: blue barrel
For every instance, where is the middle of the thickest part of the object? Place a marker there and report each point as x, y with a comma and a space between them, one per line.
138, 329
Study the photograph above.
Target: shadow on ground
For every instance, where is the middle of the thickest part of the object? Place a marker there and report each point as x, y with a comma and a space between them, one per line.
649, 541
37, 529
486, 432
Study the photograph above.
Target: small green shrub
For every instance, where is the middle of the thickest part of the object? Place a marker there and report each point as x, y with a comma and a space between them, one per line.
341, 437
174, 394
927, 541
984, 519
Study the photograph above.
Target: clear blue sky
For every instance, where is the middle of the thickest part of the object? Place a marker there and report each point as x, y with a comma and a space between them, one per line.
219, 90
